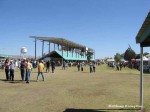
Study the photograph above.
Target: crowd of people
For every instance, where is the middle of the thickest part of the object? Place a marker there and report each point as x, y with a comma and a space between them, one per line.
118, 65
80, 66
25, 67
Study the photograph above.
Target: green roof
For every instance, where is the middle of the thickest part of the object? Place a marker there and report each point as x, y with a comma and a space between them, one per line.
5, 55
67, 56
71, 56
143, 36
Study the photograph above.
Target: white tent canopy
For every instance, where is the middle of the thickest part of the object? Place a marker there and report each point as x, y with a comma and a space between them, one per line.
110, 60
144, 59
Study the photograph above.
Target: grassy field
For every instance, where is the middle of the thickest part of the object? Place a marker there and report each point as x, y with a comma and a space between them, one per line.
72, 91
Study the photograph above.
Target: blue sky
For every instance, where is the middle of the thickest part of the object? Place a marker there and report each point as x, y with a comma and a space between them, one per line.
108, 26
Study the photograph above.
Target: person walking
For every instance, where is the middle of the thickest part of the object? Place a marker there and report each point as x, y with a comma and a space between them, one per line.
48, 66
7, 70
117, 66
94, 66
28, 70
12, 67
120, 64
53, 65
91, 67
78, 65
22, 69
34, 64
82, 65
40, 70
63, 65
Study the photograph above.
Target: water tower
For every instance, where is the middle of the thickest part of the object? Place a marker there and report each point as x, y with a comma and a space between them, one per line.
23, 51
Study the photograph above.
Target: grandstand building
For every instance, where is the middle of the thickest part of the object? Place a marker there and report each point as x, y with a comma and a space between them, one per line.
64, 49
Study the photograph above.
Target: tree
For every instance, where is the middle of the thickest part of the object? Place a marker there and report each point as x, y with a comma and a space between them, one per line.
138, 55
122, 55
129, 54
146, 53
117, 57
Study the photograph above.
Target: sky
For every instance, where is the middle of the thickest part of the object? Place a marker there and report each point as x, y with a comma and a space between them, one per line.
107, 26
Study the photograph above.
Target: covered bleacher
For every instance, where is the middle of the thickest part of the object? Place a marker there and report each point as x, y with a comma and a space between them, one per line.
64, 49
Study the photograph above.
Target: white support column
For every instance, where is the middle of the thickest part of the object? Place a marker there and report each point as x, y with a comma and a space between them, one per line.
141, 80
49, 50
62, 51
72, 49
42, 48
67, 49
35, 47
94, 54
54, 46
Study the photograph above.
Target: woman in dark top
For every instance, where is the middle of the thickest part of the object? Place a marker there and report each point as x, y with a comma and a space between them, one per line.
23, 69
7, 70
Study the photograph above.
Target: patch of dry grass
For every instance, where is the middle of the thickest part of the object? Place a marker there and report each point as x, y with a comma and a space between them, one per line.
72, 89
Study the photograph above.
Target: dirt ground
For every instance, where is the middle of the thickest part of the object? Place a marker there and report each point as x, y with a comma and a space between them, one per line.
75, 91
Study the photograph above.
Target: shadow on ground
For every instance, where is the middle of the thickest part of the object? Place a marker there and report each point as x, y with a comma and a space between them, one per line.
15, 81
97, 110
